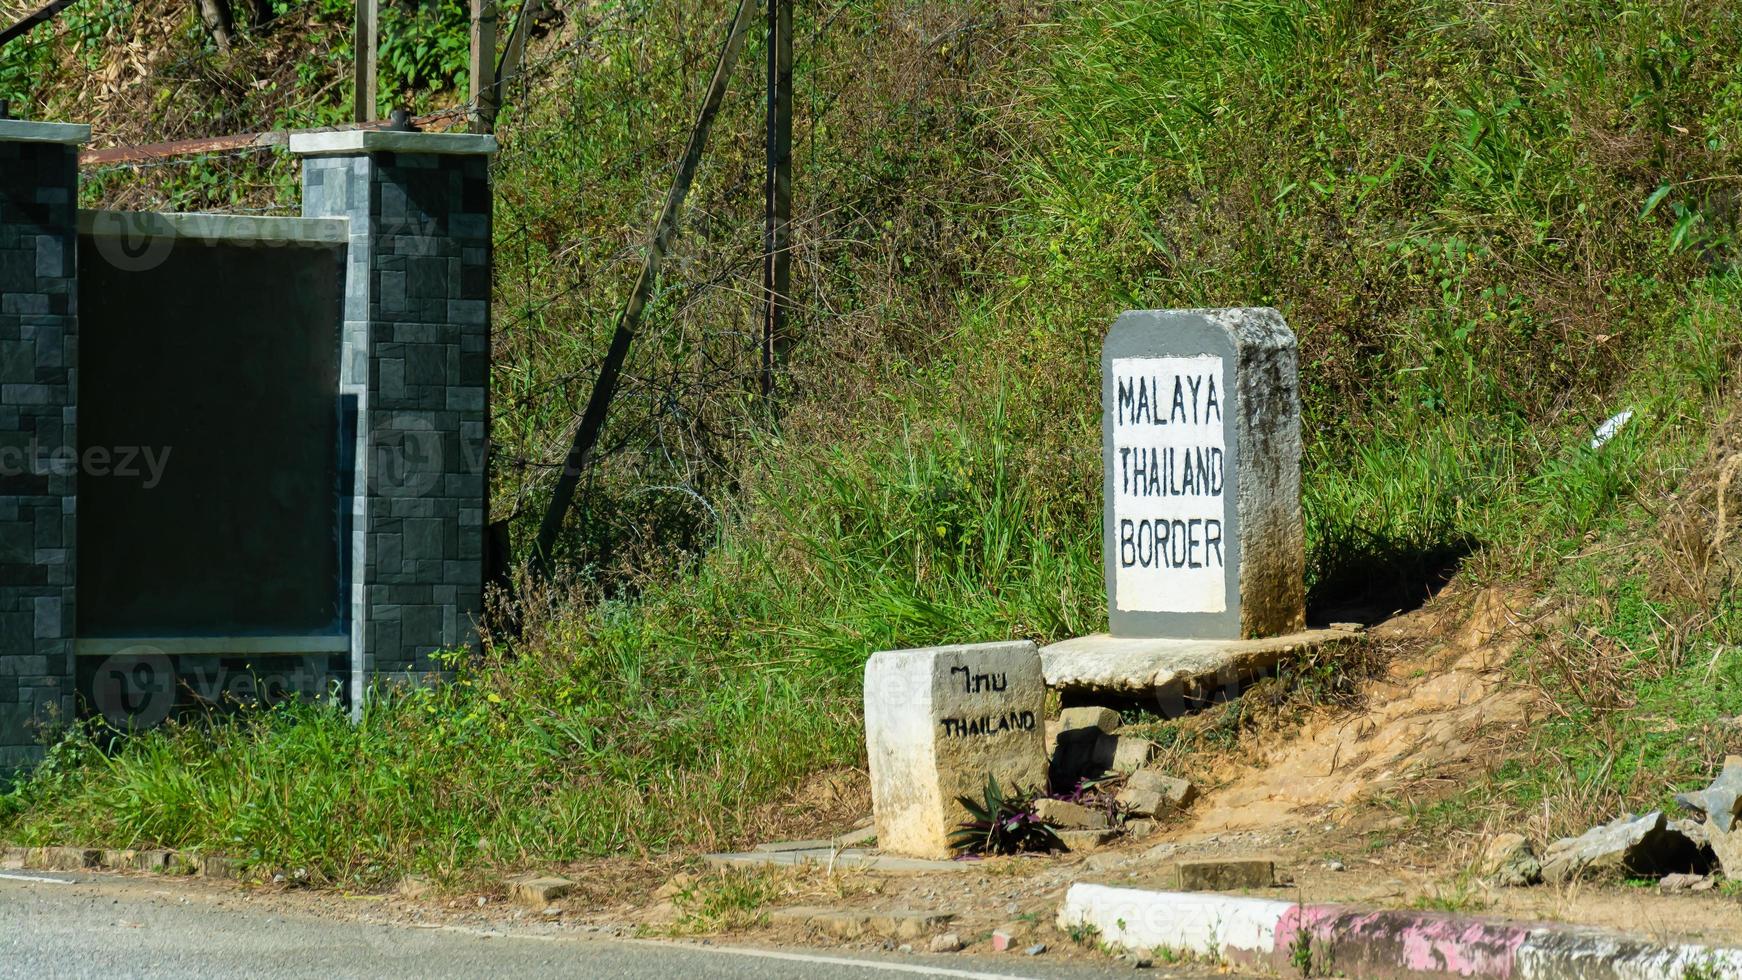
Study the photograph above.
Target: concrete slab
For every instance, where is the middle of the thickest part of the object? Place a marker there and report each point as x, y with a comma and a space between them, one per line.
358, 141
25, 131
1140, 666
852, 857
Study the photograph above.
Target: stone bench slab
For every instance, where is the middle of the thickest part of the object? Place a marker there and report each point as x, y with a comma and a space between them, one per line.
1141, 665
852, 857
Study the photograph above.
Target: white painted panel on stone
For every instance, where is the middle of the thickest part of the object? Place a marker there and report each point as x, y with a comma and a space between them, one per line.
1170, 458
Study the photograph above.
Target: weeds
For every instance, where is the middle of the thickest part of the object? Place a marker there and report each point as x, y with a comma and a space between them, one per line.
727, 900
1491, 228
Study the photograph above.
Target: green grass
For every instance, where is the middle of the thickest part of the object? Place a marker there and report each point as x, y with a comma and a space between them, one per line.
1491, 227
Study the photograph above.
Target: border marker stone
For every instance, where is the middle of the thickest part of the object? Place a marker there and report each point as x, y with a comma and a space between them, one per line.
1203, 536
938, 722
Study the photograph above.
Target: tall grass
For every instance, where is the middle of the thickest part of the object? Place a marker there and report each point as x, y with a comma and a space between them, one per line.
1490, 226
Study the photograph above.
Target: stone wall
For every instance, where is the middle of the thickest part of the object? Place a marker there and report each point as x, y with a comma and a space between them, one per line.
411, 418
38, 394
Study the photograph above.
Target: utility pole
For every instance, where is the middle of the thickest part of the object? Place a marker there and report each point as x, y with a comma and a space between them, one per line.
366, 37
777, 234
485, 95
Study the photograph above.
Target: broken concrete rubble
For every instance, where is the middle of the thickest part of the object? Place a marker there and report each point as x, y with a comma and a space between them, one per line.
1071, 816
1127, 754
1150, 792
1720, 804
1510, 862
1643, 845
1105, 719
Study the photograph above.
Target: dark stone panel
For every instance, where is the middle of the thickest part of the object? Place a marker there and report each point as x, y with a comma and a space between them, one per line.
224, 362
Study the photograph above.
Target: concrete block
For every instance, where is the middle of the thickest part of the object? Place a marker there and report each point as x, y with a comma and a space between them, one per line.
1071, 816
1082, 841
938, 722
1149, 793
1128, 754
537, 891
67, 858
1105, 719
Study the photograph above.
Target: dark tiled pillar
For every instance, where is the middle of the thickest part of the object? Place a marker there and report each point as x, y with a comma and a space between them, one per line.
38, 438
416, 362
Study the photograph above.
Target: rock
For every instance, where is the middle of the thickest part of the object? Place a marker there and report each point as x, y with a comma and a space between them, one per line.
537, 891
13, 858
1139, 829
1671, 884
1075, 757
1727, 847
1335, 865
949, 942
1129, 754
1104, 719
1071, 816
415, 886
1693, 830
938, 722
1510, 862
1225, 874
1008, 936
1149, 792
1035, 950
1630, 845
1721, 802
1081, 841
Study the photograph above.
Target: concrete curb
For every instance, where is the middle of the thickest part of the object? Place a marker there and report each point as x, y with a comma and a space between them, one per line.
1295, 939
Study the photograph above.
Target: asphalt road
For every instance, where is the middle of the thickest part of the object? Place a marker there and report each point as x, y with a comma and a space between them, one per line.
65, 925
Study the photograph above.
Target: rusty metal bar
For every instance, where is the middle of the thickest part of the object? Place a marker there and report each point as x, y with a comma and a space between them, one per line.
217, 144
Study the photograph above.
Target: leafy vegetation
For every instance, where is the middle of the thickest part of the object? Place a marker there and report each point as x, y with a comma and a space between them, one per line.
1003, 822
1492, 227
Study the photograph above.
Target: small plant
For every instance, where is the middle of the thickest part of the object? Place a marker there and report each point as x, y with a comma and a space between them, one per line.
1083, 933
1311, 959
1003, 824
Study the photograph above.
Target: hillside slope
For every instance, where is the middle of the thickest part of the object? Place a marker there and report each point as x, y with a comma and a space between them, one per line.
1491, 228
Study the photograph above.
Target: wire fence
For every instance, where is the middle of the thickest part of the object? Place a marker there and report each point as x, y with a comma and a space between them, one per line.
591, 126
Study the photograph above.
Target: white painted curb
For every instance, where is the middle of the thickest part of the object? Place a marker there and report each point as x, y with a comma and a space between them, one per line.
1195, 922
1391, 943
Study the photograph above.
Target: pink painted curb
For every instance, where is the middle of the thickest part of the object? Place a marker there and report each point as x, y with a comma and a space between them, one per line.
1293, 939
